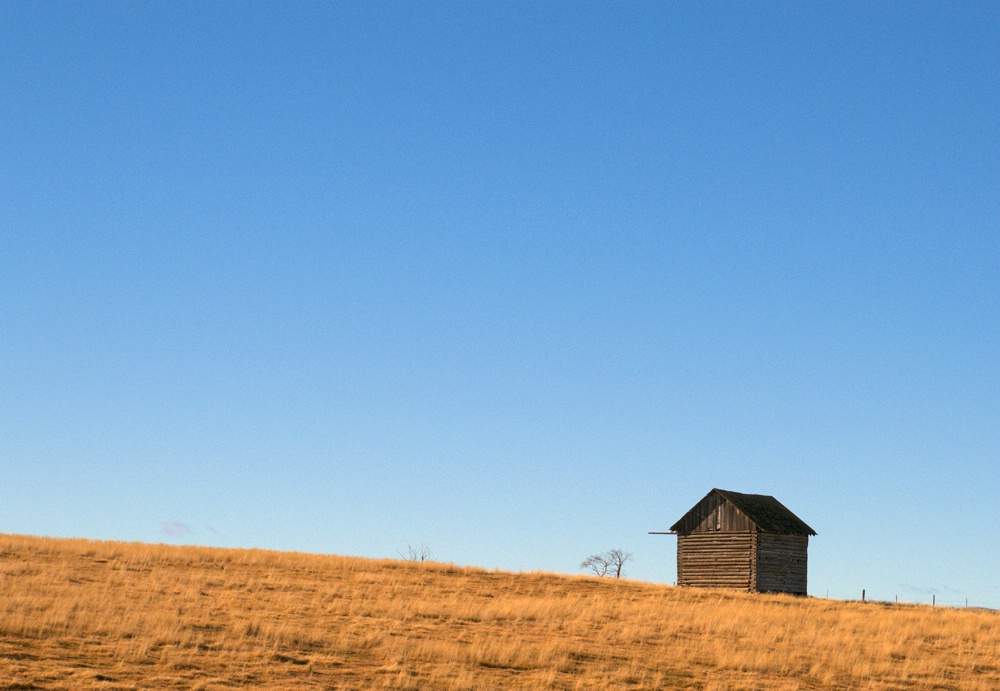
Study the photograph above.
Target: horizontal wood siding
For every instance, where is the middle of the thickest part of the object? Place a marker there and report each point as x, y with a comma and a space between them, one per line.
782, 563
714, 514
715, 560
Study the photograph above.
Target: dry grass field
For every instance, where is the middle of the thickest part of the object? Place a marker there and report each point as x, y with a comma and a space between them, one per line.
76, 614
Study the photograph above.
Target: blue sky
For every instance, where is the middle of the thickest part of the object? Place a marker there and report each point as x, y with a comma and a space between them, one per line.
520, 281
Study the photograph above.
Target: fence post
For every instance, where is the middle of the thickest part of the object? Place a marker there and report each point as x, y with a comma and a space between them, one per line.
933, 599
862, 594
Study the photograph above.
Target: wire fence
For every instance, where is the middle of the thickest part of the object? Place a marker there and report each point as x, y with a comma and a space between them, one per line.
933, 600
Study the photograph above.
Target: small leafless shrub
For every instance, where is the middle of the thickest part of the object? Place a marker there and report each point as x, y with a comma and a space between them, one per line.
417, 553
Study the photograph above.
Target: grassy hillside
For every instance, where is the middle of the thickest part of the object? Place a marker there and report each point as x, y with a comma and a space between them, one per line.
77, 614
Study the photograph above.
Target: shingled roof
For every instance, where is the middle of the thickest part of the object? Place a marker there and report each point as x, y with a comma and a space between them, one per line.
769, 514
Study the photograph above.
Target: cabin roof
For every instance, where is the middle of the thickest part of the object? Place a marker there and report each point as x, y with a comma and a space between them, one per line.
766, 512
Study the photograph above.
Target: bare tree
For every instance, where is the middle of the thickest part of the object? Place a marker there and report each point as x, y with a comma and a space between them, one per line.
617, 559
611, 563
598, 563
419, 553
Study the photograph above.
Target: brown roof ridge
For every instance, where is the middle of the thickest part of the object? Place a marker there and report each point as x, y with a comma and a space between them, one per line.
766, 512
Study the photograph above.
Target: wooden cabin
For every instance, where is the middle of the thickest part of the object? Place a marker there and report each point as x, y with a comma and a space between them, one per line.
743, 541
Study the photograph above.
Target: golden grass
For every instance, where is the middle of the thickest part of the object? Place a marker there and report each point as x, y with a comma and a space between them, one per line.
76, 614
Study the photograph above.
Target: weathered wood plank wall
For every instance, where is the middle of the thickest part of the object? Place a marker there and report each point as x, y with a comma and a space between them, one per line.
782, 563
765, 562
716, 560
714, 514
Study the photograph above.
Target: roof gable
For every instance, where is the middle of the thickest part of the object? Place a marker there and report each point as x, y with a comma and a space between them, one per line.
765, 512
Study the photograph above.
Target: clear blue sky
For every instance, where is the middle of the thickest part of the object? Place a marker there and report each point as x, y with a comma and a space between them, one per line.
520, 281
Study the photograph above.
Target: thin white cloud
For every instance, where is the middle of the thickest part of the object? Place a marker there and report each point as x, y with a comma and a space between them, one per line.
175, 529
